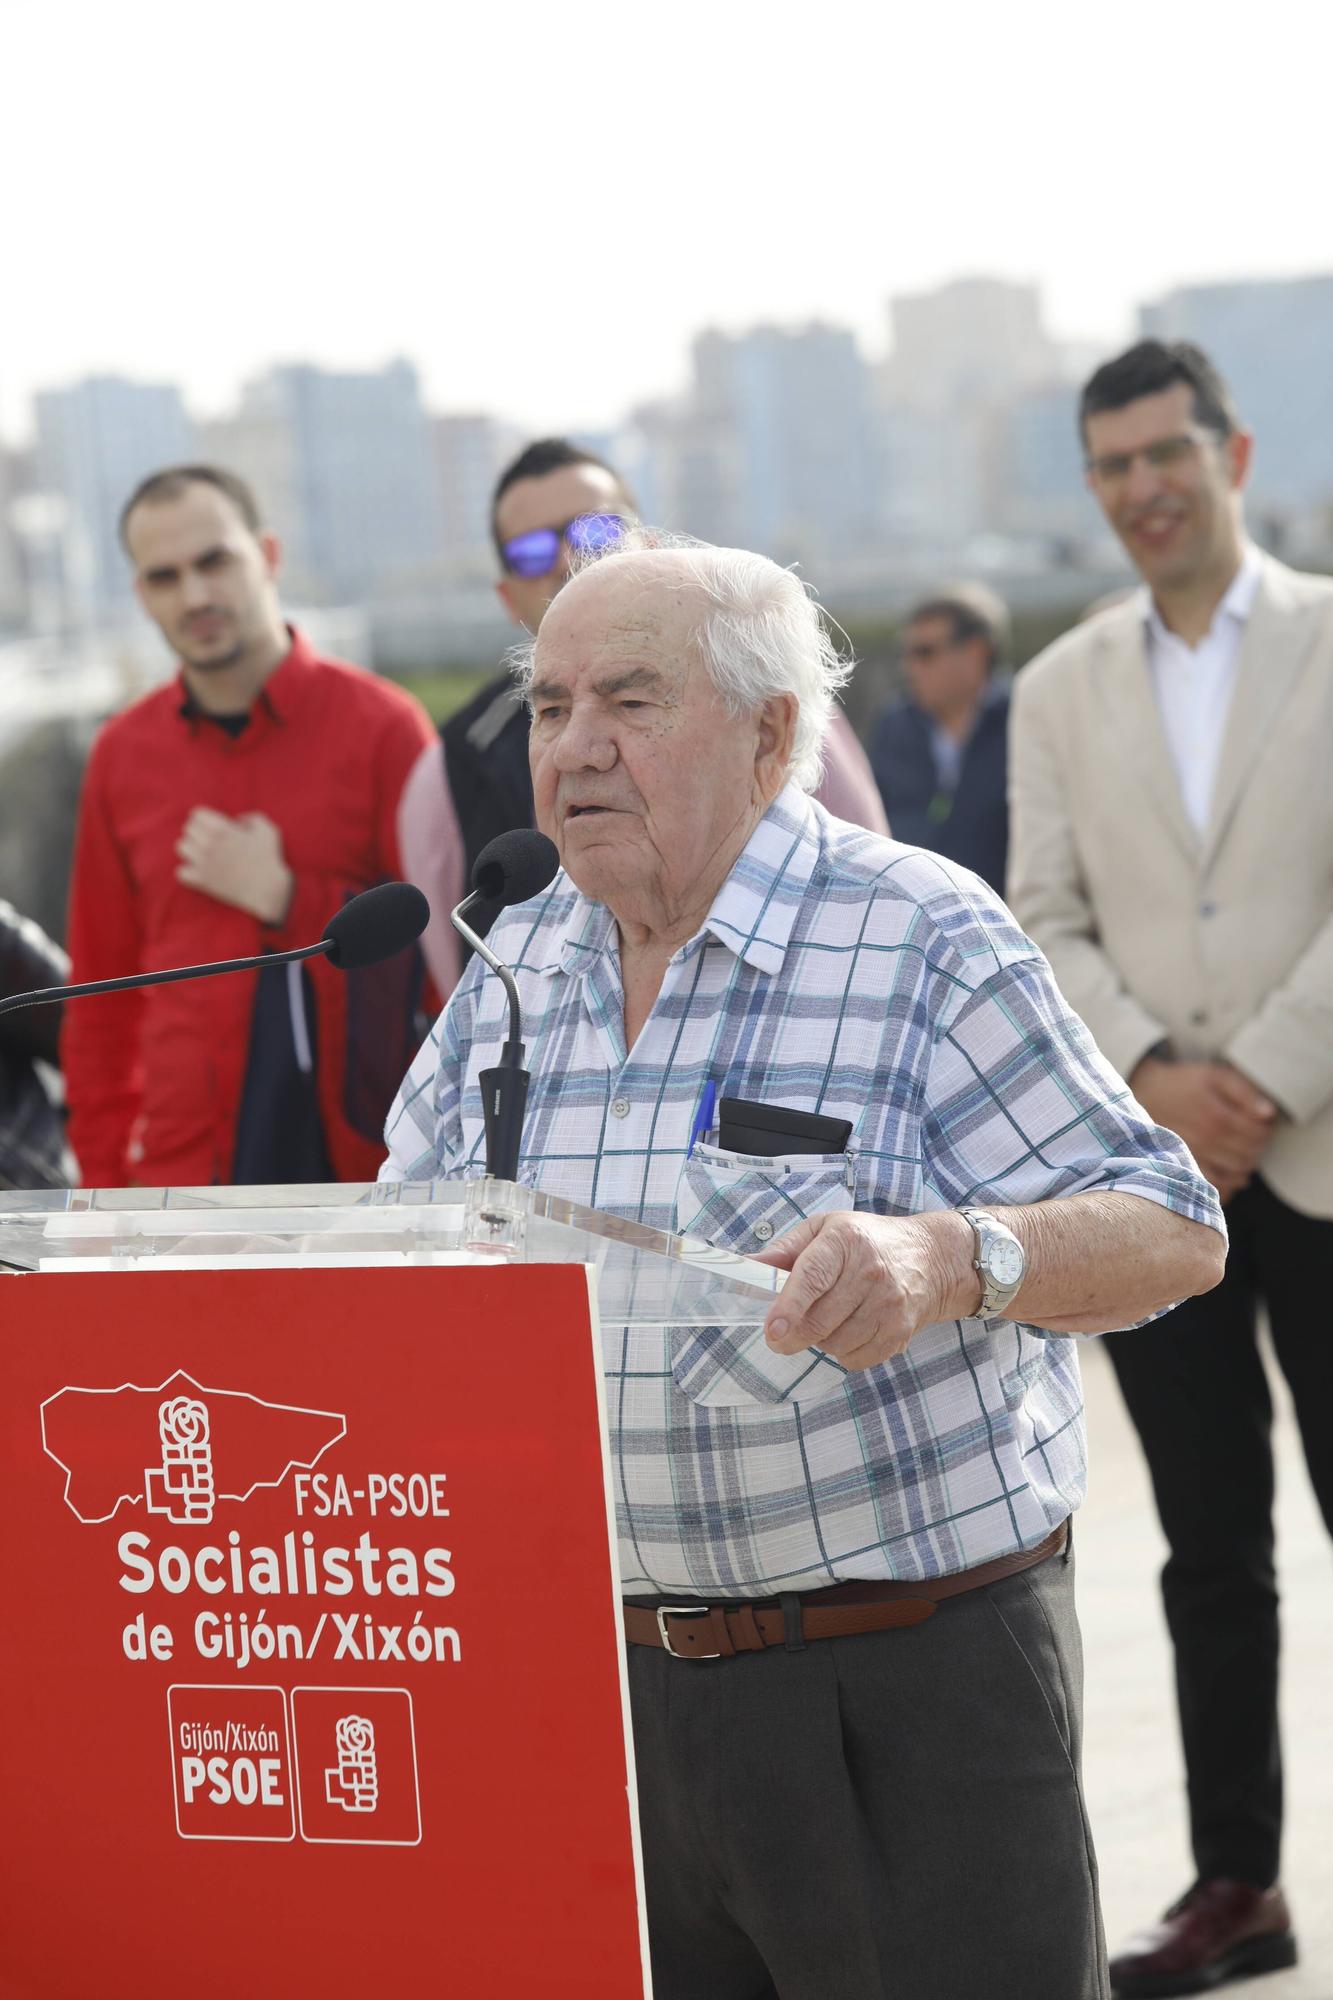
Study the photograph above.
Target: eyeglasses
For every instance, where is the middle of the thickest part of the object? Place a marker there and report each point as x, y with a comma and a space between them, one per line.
538, 552
923, 651
1114, 467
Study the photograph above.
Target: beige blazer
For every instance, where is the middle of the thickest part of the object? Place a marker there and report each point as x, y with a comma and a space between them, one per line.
1221, 945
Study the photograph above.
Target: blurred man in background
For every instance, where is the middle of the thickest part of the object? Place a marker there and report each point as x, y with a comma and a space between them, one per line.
230, 812
554, 503
1173, 823
939, 752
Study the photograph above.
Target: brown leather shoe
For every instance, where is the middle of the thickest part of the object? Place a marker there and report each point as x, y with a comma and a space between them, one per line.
1219, 1930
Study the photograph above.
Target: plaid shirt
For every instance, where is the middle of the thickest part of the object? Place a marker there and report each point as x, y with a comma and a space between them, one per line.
842, 973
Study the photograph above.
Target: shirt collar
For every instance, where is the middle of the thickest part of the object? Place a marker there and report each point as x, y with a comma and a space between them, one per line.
280, 693
1237, 603
753, 912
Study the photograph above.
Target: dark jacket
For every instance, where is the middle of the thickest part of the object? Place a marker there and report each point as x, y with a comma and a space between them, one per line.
32, 1131
486, 766
969, 825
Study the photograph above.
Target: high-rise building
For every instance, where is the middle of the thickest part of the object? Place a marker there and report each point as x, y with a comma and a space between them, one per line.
471, 451
798, 403
1039, 488
15, 476
934, 486
360, 477
963, 359
1272, 338
258, 444
973, 341
686, 472
96, 440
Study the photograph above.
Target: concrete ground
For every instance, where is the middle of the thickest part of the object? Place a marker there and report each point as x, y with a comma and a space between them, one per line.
1132, 1757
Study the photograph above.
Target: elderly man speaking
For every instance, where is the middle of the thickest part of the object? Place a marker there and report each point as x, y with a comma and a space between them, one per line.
858, 1756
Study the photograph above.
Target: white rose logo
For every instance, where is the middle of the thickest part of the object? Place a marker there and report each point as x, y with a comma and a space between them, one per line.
356, 1736
183, 1421
182, 1486
354, 1781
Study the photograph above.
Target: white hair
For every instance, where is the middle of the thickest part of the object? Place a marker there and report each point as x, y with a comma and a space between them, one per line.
762, 634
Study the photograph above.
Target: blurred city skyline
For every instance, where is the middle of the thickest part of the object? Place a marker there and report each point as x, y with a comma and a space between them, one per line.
215, 396
955, 451
541, 209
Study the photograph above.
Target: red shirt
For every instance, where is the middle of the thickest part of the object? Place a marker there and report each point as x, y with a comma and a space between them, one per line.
154, 1078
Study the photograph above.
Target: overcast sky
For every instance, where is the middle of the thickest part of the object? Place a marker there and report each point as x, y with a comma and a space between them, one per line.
539, 204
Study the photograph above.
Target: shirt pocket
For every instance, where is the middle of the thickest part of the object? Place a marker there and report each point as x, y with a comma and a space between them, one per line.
742, 1203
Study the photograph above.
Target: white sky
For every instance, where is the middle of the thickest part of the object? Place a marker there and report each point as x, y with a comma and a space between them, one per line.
540, 203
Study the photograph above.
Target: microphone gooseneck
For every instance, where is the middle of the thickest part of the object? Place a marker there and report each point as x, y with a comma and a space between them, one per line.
510, 869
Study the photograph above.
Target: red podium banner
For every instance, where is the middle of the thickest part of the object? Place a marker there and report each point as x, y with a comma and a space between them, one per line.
309, 1656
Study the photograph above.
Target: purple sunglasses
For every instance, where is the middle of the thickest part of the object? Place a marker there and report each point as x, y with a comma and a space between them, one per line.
537, 552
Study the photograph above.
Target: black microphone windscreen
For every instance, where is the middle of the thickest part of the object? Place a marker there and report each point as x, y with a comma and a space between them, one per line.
376, 924
514, 866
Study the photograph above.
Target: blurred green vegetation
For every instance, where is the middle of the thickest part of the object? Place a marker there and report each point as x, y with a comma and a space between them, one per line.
440, 694
875, 645
41, 773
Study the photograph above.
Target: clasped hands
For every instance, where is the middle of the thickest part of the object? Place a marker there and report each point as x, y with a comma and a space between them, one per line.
1224, 1120
237, 861
862, 1286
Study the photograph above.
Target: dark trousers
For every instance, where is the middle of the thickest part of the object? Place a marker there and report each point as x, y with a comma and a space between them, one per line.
897, 1816
1197, 1392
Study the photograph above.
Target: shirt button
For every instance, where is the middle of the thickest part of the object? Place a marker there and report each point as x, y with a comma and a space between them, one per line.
1208, 909
763, 1230
1198, 1017
620, 1108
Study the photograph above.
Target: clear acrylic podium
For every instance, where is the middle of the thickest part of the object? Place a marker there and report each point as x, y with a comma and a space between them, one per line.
312, 1603
643, 1277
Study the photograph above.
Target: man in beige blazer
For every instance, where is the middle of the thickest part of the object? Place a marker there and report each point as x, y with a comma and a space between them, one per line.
1171, 782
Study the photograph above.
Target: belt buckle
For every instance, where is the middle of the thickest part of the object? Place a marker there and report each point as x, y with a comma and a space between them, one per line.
665, 1611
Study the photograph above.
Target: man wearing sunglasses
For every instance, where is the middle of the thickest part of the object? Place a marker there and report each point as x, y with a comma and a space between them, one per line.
1172, 830
552, 507
939, 751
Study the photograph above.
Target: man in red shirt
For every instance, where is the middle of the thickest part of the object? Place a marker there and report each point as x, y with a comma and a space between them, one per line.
228, 813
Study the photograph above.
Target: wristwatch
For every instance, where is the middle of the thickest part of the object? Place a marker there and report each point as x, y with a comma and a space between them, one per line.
1001, 1262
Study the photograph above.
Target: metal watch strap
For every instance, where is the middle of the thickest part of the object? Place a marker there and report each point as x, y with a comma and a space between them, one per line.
994, 1299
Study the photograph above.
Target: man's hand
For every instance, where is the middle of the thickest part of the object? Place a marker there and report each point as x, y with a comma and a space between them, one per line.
1223, 1119
862, 1285
239, 861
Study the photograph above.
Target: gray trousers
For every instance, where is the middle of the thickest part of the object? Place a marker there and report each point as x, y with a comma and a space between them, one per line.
892, 1817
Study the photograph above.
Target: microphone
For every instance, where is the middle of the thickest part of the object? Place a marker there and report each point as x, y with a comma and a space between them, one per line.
510, 869
374, 925
514, 866
377, 924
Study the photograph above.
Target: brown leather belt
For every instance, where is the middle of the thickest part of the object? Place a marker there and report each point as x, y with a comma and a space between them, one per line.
718, 1631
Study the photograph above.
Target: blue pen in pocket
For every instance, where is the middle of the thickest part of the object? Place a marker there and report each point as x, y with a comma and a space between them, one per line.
703, 1117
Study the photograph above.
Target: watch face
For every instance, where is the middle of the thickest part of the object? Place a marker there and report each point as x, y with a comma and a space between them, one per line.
1005, 1262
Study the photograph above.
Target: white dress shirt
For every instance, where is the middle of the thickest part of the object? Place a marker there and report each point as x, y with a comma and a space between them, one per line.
1194, 685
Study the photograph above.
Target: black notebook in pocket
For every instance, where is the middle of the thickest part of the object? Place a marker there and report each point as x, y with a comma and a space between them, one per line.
770, 1131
